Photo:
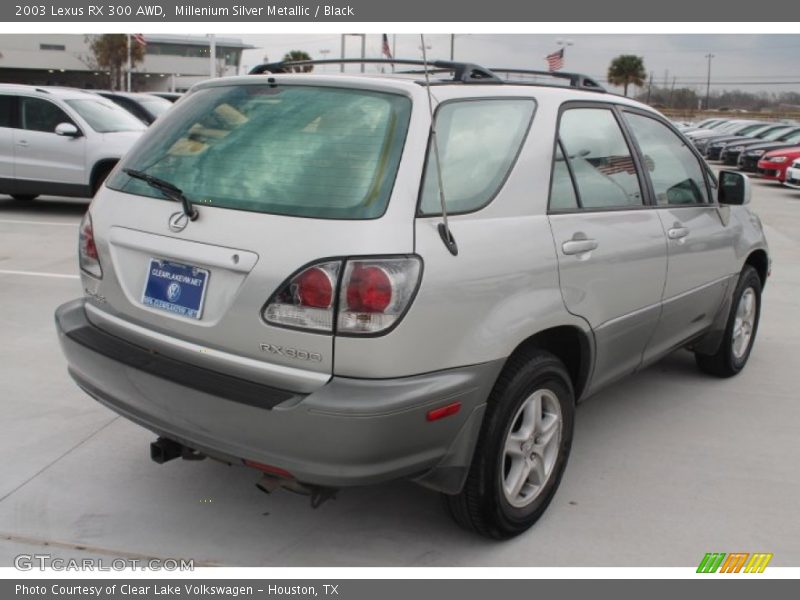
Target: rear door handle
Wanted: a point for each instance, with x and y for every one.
(22, 142)
(677, 233)
(578, 246)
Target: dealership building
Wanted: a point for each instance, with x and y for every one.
(171, 62)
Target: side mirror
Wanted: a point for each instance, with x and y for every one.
(734, 188)
(67, 130)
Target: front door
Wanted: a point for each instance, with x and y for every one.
(700, 244)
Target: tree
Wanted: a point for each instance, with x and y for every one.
(295, 55)
(627, 69)
(110, 52)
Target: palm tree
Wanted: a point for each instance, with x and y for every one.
(296, 55)
(627, 69)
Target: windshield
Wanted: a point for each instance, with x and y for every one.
(104, 116)
(777, 133)
(155, 106)
(290, 150)
(791, 136)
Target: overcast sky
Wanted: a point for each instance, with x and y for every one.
(748, 62)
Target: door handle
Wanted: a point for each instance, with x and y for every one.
(578, 246)
(677, 233)
(22, 142)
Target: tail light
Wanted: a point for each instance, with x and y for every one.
(370, 296)
(306, 300)
(88, 258)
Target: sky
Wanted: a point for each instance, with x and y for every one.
(748, 62)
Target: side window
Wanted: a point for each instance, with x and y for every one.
(6, 111)
(478, 143)
(601, 162)
(674, 170)
(562, 192)
(41, 115)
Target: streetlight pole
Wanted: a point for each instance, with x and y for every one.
(452, 46)
(708, 79)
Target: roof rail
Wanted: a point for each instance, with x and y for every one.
(576, 80)
(462, 71)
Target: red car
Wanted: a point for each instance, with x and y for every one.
(773, 164)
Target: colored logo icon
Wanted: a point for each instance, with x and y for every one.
(736, 562)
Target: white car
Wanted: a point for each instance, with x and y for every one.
(793, 175)
(59, 141)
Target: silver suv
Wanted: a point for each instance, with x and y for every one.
(270, 278)
(59, 141)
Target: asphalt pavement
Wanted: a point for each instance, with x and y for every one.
(666, 465)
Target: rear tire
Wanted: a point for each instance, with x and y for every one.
(522, 450)
(24, 197)
(740, 331)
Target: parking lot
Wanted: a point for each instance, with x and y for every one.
(666, 466)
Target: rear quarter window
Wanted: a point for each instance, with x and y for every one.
(291, 150)
(479, 141)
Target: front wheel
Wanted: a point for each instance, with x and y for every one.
(740, 331)
(522, 450)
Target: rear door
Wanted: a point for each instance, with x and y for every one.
(41, 154)
(611, 248)
(700, 244)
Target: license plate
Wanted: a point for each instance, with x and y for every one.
(176, 288)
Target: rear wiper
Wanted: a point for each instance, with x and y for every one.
(165, 187)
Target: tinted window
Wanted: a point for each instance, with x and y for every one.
(41, 115)
(291, 150)
(562, 192)
(600, 159)
(478, 143)
(6, 111)
(674, 170)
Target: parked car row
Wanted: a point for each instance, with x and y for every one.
(63, 141)
(767, 149)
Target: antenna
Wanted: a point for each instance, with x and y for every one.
(444, 228)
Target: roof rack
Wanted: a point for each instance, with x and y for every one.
(463, 72)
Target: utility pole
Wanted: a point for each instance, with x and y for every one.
(649, 88)
(672, 91)
(130, 63)
(452, 46)
(708, 79)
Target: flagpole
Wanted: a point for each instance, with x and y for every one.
(130, 62)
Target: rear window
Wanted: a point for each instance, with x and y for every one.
(290, 150)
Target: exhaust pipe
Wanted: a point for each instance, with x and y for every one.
(319, 494)
(165, 449)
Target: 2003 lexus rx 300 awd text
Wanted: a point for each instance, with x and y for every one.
(271, 280)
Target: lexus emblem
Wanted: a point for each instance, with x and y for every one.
(178, 221)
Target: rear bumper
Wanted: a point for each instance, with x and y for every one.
(348, 432)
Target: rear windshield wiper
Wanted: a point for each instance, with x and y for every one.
(165, 187)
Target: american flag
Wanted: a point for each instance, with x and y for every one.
(385, 50)
(139, 39)
(613, 165)
(555, 60)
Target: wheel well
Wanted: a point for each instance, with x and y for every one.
(570, 345)
(759, 261)
(101, 167)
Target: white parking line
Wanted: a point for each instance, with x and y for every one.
(53, 223)
(39, 274)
